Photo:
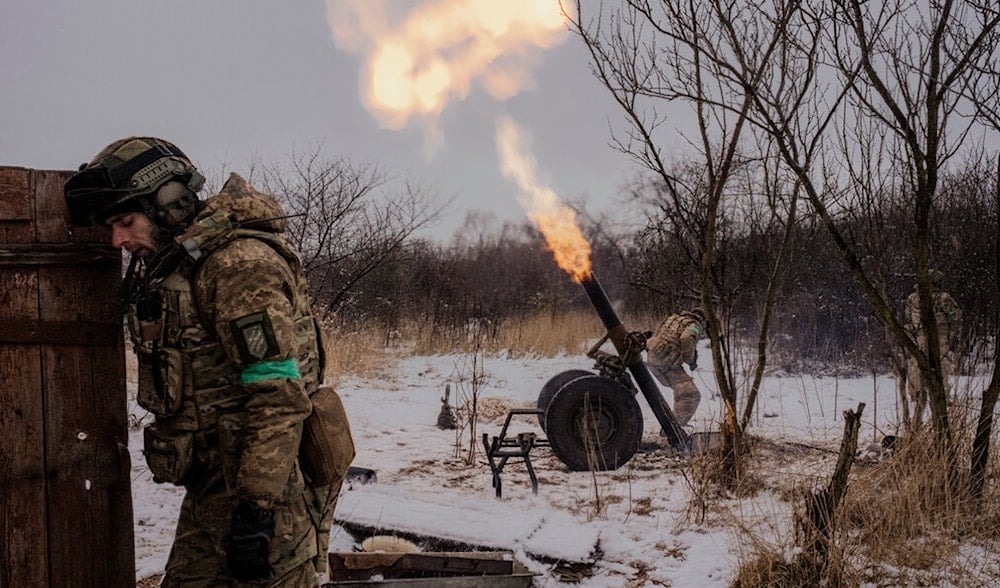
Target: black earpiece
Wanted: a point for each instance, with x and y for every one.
(175, 205)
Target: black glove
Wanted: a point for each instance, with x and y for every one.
(693, 365)
(249, 542)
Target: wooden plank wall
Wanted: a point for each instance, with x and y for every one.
(66, 508)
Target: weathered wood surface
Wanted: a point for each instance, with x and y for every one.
(66, 512)
(494, 569)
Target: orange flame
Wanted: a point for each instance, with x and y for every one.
(436, 53)
(555, 220)
(440, 48)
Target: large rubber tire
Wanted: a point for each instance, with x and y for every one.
(552, 386)
(594, 423)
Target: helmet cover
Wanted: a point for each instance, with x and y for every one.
(121, 174)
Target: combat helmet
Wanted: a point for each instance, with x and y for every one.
(697, 313)
(136, 174)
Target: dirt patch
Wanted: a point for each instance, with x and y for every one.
(495, 410)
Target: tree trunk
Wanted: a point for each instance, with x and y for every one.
(984, 428)
(818, 521)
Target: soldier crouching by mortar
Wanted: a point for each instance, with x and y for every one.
(230, 365)
(673, 344)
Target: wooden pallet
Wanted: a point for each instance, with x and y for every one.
(482, 569)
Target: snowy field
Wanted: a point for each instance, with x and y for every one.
(636, 526)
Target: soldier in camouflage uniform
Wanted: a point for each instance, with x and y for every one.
(673, 344)
(229, 355)
(947, 314)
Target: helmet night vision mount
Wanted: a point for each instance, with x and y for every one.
(126, 177)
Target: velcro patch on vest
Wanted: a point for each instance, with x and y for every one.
(254, 337)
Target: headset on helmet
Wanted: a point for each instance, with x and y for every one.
(137, 174)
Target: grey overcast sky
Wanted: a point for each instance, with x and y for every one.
(228, 80)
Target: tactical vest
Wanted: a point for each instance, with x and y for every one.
(945, 313)
(666, 341)
(185, 377)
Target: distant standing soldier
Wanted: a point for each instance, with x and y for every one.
(947, 314)
(230, 365)
(674, 344)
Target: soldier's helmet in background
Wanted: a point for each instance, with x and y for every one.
(697, 313)
(936, 276)
(136, 174)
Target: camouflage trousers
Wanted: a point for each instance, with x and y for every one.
(686, 394)
(916, 389)
(297, 551)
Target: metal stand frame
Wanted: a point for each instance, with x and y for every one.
(502, 448)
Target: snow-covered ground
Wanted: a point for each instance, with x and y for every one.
(635, 526)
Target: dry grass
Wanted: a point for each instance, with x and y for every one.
(360, 352)
(902, 523)
(149, 581)
(913, 521)
(542, 334)
(768, 568)
(904, 508)
(369, 351)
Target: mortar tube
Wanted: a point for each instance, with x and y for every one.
(676, 435)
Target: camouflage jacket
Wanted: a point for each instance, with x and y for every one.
(227, 344)
(946, 313)
(675, 341)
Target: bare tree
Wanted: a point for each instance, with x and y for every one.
(827, 80)
(984, 424)
(702, 55)
(346, 220)
(914, 67)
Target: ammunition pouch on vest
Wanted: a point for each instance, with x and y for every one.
(165, 380)
(327, 448)
(169, 454)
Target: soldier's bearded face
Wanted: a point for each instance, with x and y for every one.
(135, 233)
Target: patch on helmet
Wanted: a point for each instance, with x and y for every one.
(254, 337)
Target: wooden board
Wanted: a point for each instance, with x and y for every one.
(492, 569)
(23, 536)
(66, 512)
(512, 581)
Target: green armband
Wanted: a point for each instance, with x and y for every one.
(271, 370)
